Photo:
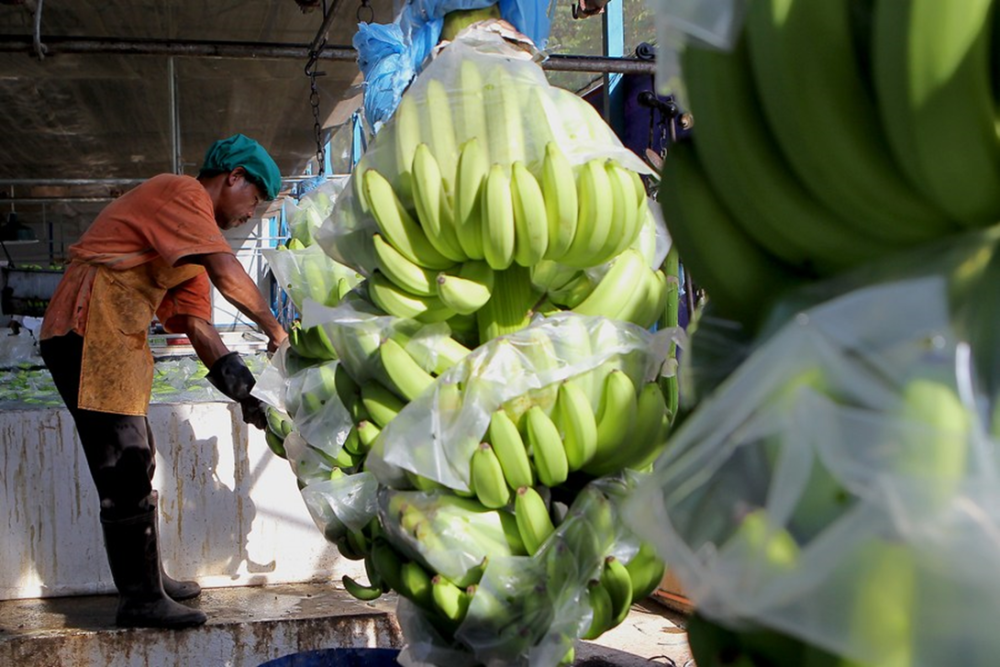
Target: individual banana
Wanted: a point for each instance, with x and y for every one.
(435, 354)
(381, 404)
(470, 113)
(646, 571)
(533, 521)
(510, 306)
(546, 447)
(396, 302)
(627, 220)
(938, 426)
(406, 134)
(360, 591)
(933, 60)
(740, 278)
(396, 225)
(594, 218)
(574, 292)
(408, 380)
(387, 562)
(752, 177)
(508, 445)
(469, 179)
(531, 239)
(498, 218)
(486, 476)
(433, 206)
(406, 275)
(468, 290)
(559, 187)
(577, 424)
(415, 584)
(806, 69)
(608, 297)
(616, 579)
(616, 414)
(437, 118)
(449, 600)
(645, 438)
(602, 610)
(504, 124)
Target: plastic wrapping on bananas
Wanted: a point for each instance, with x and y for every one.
(437, 433)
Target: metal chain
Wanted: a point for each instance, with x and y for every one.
(366, 9)
(311, 72)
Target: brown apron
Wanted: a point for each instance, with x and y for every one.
(116, 373)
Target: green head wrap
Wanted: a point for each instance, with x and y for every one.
(242, 151)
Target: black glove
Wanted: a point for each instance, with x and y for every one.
(254, 412)
(232, 377)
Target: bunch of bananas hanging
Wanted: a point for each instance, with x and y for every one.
(504, 233)
(473, 191)
(832, 134)
(435, 548)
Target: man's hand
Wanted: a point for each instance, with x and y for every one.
(254, 412)
(275, 341)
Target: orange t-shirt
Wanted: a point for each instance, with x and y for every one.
(163, 220)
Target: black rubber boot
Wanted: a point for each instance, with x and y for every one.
(179, 590)
(134, 557)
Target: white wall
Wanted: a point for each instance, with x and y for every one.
(231, 513)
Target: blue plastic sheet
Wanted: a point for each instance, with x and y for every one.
(391, 55)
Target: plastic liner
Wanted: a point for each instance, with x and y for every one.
(549, 114)
(435, 434)
(841, 484)
(530, 610)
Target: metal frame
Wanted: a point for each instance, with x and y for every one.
(277, 51)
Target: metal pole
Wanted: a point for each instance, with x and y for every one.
(275, 51)
(175, 149)
(69, 181)
(320, 37)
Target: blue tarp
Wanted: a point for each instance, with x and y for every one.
(391, 55)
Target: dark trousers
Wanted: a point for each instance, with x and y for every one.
(119, 448)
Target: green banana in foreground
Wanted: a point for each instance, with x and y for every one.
(533, 521)
(737, 274)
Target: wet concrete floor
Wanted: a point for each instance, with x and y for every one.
(250, 625)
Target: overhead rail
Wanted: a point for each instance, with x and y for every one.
(277, 51)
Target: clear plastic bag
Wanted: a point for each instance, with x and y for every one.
(434, 436)
(308, 273)
(529, 610)
(841, 484)
(544, 113)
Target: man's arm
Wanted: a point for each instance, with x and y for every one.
(204, 337)
(229, 277)
(227, 372)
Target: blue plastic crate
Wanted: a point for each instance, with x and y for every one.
(338, 657)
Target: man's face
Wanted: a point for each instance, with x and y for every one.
(238, 201)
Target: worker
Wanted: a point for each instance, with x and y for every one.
(153, 251)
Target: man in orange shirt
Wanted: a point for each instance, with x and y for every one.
(154, 251)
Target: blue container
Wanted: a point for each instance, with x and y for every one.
(338, 657)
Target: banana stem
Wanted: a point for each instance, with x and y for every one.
(455, 22)
(509, 308)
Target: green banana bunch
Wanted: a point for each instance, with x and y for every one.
(807, 72)
(745, 166)
(933, 60)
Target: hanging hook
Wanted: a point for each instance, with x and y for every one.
(40, 49)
